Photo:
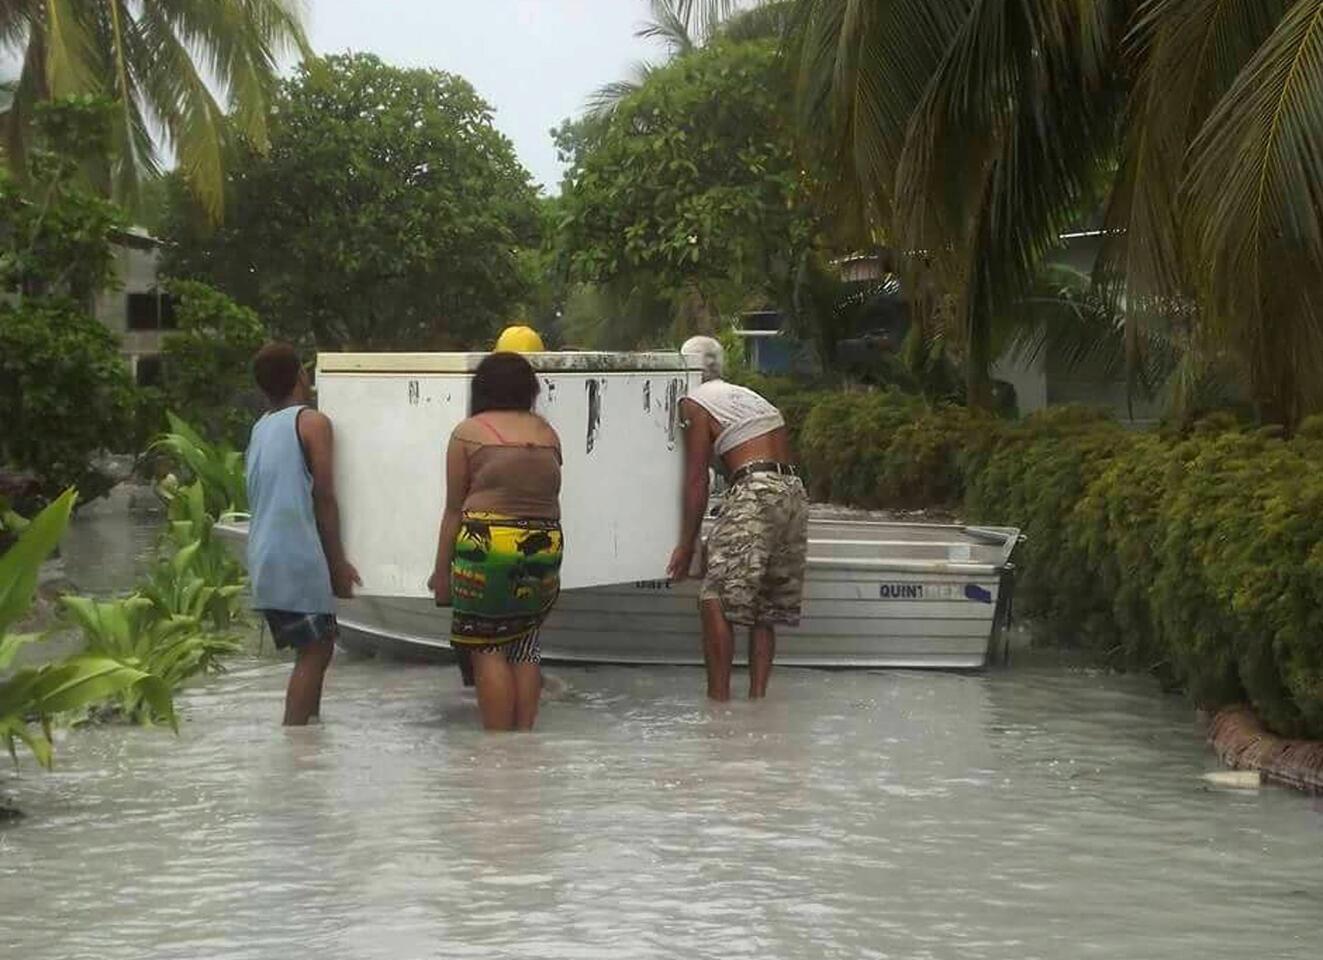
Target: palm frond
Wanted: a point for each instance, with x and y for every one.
(70, 48)
(29, 89)
(1005, 150)
(1183, 55)
(702, 18)
(1255, 207)
(863, 68)
(669, 26)
(604, 101)
(159, 60)
(194, 122)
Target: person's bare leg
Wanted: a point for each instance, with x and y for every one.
(528, 693)
(494, 678)
(718, 649)
(762, 650)
(304, 693)
(465, 660)
(328, 656)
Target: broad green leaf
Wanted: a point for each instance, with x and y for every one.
(84, 680)
(21, 563)
(185, 557)
(16, 694)
(11, 644)
(12, 729)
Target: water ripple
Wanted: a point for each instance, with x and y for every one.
(874, 815)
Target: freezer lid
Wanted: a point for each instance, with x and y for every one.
(562, 362)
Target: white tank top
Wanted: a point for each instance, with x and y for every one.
(740, 413)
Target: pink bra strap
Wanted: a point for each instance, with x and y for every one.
(494, 432)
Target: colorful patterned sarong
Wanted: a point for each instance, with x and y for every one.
(504, 579)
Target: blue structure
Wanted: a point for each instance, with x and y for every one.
(769, 350)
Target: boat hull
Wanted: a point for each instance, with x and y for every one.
(876, 595)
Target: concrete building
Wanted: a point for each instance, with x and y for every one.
(135, 308)
(1040, 381)
(1048, 380)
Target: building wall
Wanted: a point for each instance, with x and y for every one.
(1028, 378)
(136, 269)
(1046, 381)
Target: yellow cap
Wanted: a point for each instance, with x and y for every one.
(519, 340)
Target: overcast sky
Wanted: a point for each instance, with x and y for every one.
(534, 61)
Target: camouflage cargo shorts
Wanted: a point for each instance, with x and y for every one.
(757, 551)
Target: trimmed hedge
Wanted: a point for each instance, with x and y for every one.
(1197, 556)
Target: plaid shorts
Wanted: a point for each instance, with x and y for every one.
(297, 630)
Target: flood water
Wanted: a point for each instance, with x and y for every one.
(1021, 813)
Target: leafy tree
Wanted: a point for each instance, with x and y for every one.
(387, 212)
(190, 69)
(65, 393)
(64, 390)
(206, 361)
(976, 130)
(690, 194)
(54, 229)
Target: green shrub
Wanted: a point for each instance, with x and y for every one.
(1197, 555)
(206, 364)
(1030, 476)
(65, 394)
(131, 631)
(217, 468)
(31, 698)
(882, 449)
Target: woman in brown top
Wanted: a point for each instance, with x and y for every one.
(499, 551)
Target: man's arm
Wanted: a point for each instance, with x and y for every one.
(318, 443)
(697, 453)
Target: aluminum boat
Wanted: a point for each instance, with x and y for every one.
(877, 594)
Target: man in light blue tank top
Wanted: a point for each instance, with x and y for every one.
(296, 562)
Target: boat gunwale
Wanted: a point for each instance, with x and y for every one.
(920, 662)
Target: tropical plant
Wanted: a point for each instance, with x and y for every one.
(180, 73)
(32, 697)
(39, 694)
(973, 131)
(129, 631)
(198, 577)
(218, 469)
(387, 213)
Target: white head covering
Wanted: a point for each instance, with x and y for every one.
(709, 354)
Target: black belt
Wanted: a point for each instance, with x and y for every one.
(764, 466)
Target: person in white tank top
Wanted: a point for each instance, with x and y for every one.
(757, 549)
(741, 413)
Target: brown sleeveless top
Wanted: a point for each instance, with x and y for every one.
(515, 479)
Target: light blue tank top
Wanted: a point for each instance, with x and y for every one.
(286, 564)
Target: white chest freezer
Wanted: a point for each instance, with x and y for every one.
(619, 423)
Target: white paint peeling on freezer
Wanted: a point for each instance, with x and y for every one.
(393, 416)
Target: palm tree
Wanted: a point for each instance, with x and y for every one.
(683, 26)
(973, 131)
(180, 73)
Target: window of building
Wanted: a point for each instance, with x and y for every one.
(147, 370)
(152, 310)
